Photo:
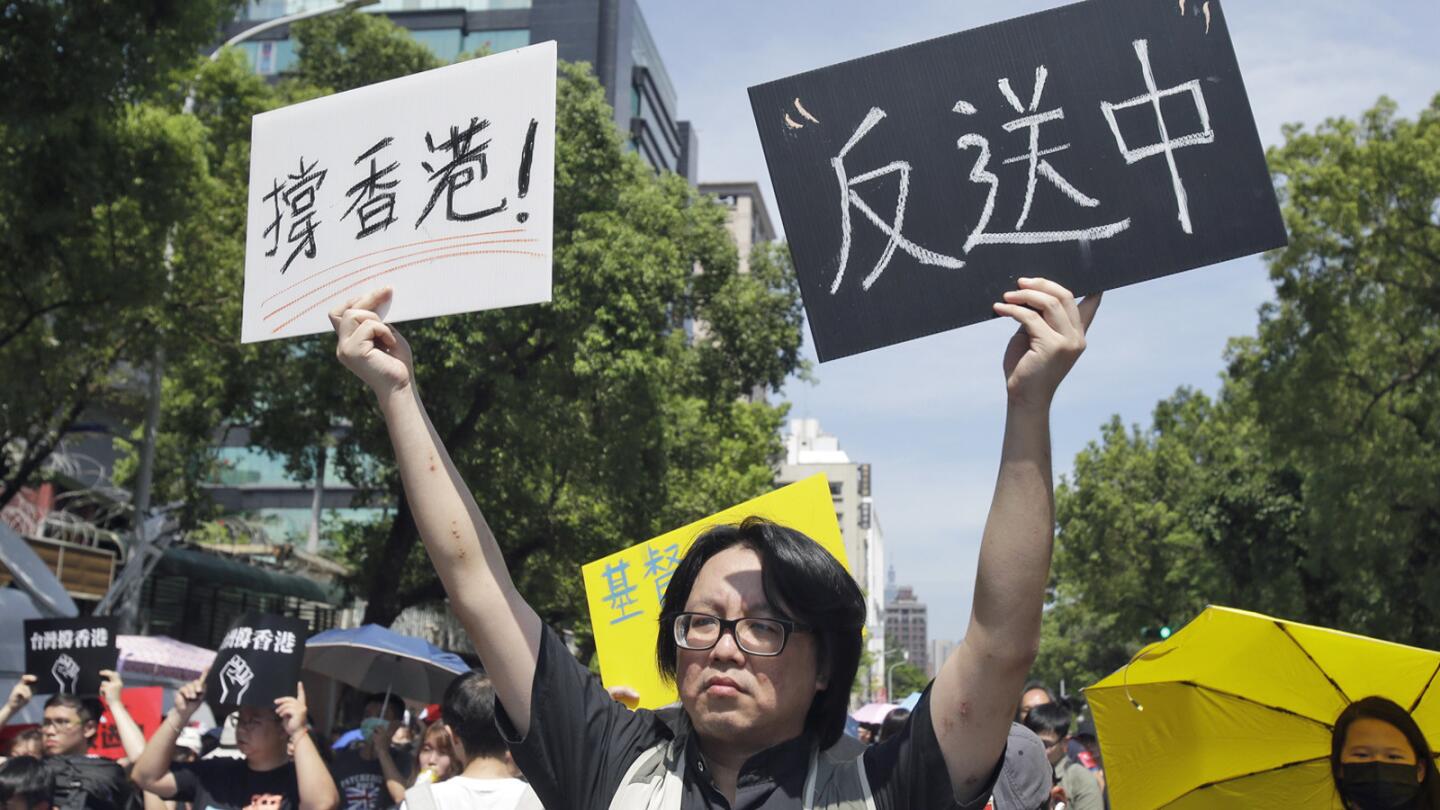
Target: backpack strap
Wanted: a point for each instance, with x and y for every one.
(656, 779)
(837, 779)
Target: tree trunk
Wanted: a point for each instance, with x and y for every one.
(382, 592)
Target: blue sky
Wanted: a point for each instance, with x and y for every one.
(928, 414)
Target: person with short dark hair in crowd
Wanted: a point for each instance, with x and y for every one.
(363, 769)
(1034, 694)
(26, 784)
(489, 779)
(69, 726)
(265, 779)
(81, 781)
(1051, 723)
(760, 628)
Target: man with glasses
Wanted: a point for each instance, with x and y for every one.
(760, 627)
(81, 781)
(1051, 723)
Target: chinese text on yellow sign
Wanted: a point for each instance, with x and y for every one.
(624, 589)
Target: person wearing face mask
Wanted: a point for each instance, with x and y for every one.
(1381, 760)
(760, 628)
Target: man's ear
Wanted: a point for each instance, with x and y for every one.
(91, 728)
(457, 746)
(823, 665)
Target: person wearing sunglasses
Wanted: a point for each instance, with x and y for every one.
(760, 627)
(1078, 786)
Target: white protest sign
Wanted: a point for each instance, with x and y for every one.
(439, 184)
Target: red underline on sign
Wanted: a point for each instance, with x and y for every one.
(387, 250)
(292, 302)
(297, 316)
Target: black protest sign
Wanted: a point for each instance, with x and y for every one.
(66, 655)
(1098, 144)
(258, 660)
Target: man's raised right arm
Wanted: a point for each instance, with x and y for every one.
(501, 625)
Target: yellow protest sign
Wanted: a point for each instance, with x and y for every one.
(624, 589)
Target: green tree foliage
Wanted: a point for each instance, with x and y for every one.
(905, 679)
(96, 167)
(1308, 488)
(344, 51)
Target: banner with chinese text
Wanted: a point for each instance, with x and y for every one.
(66, 655)
(1098, 144)
(439, 184)
(624, 589)
(259, 660)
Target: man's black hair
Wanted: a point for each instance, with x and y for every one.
(27, 778)
(1049, 717)
(1033, 685)
(468, 709)
(87, 708)
(803, 582)
(387, 703)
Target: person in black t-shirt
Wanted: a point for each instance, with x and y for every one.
(264, 780)
(760, 628)
(81, 781)
(362, 770)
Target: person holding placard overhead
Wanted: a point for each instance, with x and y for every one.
(81, 781)
(760, 627)
(266, 779)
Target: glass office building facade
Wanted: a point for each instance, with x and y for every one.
(611, 35)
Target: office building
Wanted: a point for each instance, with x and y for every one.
(905, 624)
(611, 35)
(808, 451)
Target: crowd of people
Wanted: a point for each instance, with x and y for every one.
(264, 759)
(759, 632)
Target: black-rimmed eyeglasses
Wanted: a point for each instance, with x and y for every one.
(765, 637)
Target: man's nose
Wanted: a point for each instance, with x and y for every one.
(727, 648)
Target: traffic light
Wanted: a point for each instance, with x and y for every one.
(1161, 633)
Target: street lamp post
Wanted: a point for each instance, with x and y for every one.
(129, 603)
(890, 675)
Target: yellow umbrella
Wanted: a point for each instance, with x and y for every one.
(1236, 710)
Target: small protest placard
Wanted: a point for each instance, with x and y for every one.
(1098, 144)
(624, 589)
(66, 655)
(146, 706)
(439, 184)
(259, 660)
